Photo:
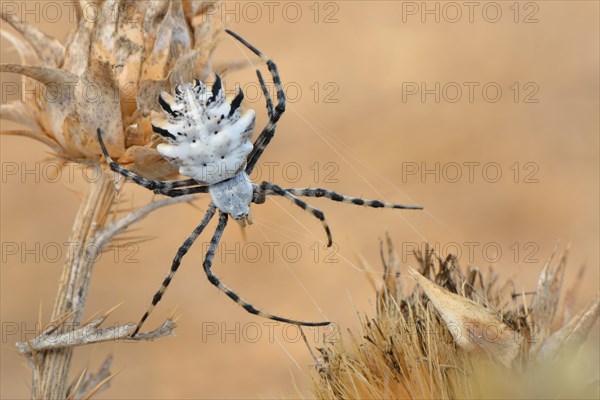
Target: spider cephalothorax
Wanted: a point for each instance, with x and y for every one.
(208, 138)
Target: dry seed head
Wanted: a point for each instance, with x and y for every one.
(108, 74)
(459, 335)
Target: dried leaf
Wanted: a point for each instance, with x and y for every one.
(49, 50)
(26, 52)
(545, 302)
(28, 56)
(182, 39)
(570, 336)
(155, 14)
(20, 113)
(45, 75)
(172, 42)
(206, 28)
(88, 381)
(78, 45)
(138, 134)
(129, 54)
(147, 95)
(187, 68)
(473, 327)
(148, 162)
(56, 101)
(571, 295)
(97, 106)
(36, 135)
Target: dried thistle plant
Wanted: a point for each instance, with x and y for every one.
(107, 74)
(462, 335)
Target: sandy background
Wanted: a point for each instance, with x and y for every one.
(364, 144)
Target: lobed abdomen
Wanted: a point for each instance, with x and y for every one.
(207, 136)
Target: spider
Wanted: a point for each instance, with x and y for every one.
(207, 137)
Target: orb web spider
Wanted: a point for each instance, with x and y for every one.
(208, 138)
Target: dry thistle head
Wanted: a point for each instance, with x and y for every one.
(108, 75)
(461, 335)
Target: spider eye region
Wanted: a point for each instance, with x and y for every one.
(233, 196)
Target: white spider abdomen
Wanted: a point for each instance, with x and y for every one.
(208, 137)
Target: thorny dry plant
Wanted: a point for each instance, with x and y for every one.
(107, 73)
(461, 334)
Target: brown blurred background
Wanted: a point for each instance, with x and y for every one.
(351, 126)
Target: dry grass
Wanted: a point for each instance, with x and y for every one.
(461, 335)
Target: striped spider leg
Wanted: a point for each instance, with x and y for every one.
(207, 264)
(168, 188)
(331, 195)
(183, 249)
(274, 113)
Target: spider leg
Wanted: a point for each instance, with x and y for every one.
(271, 188)
(162, 187)
(274, 114)
(266, 94)
(232, 295)
(310, 192)
(175, 265)
(182, 192)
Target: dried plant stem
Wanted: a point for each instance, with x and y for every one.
(92, 333)
(73, 287)
(50, 352)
